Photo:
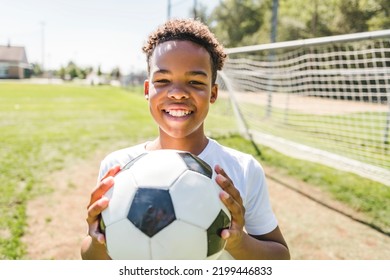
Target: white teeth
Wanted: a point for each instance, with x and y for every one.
(178, 113)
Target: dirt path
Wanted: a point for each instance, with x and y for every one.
(57, 220)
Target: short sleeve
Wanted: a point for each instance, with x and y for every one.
(259, 216)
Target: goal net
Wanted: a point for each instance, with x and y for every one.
(323, 99)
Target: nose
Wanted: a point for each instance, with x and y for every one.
(178, 92)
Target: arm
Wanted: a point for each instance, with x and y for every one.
(240, 244)
(93, 245)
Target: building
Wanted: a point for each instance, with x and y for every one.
(14, 63)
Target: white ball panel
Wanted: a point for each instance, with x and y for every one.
(215, 256)
(127, 242)
(179, 241)
(163, 174)
(195, 199)
(120, 195)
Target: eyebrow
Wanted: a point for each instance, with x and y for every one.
(197, 73)
(189, 73)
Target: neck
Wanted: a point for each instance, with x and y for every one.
(189, 144)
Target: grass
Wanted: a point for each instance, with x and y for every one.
(44, 128)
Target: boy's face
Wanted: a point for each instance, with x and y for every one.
(180, 88)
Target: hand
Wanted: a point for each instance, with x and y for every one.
(231, 197)
(98, 203)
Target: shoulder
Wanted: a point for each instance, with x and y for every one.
(120, 157)
(126, 154)
(243, 169)
(231, 156)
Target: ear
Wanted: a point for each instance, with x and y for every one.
(146, 89)
(214, 93)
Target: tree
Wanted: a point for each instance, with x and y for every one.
(248, 22)
(62, 72)
(381, 19)
(99, 71)
(36, 69)
(302, 19)
(116, 73)
(352, 17)
(200, 13)
(71, 69)
(236, 21)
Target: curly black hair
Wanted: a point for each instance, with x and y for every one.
(187, 30)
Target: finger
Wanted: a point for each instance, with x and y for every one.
(95, 233)
(226, 184)
(112, 171)
(225, 234)
(93, 219)
(100, 237)
(236, 210)
(105, 184)
(101, 189)
(96, 209)
(233, 237)
(219, 170)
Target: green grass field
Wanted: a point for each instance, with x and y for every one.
(45, 128)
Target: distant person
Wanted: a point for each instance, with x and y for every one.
(183, 58)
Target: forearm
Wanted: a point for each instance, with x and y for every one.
(255, 249)
(93, 250)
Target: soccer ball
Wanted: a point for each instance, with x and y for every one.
(165, 205)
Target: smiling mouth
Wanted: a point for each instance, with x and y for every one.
(178, 113)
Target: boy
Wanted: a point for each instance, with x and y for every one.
(183, 58)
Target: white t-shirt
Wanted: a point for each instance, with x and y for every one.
(245, 172)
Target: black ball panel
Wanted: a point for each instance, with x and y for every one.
(151, 210)
(196, 164)
(131, 162)
(215, 242)
(102, 225)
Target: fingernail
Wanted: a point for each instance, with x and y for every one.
(103, 201)
(224, 195)
(100, 239)
(225, 234)
(221, 178)
(109, 181)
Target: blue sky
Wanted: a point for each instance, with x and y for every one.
(89, 32)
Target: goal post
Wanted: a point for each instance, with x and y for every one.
(322, 99)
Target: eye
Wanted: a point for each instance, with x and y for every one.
(161, 81)
(196, 83)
